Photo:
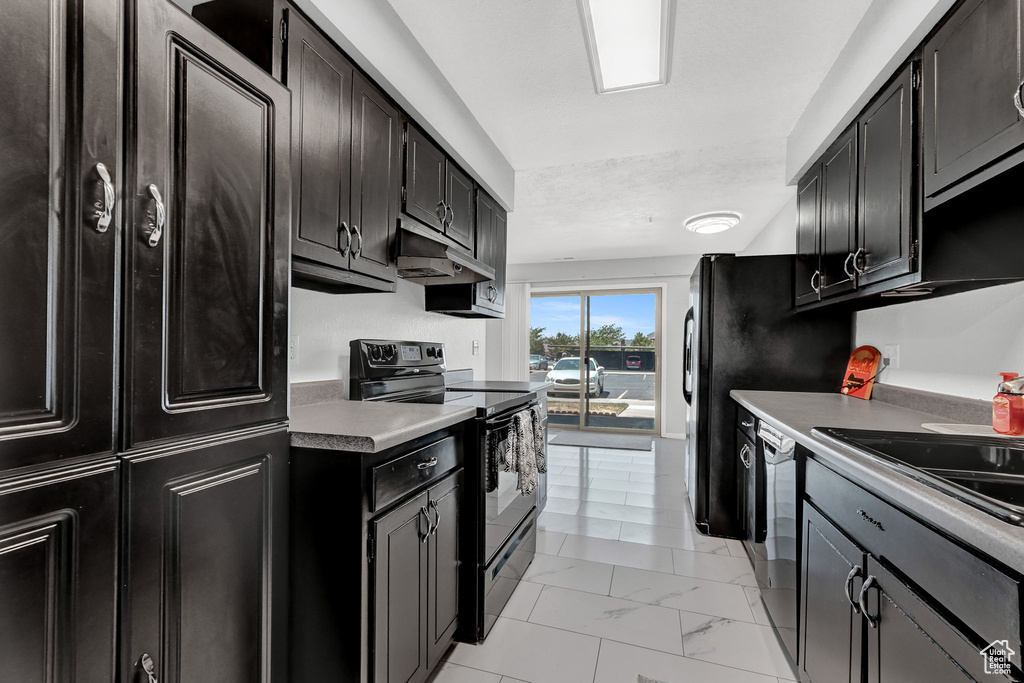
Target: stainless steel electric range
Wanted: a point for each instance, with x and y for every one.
(499, 536)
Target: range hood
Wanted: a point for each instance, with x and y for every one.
(428, 258)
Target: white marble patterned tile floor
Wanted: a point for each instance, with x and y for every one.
(623, 585)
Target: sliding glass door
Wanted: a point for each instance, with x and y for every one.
(601, 351)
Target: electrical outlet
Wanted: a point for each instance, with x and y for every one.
(476, 347)
(892, 352)
(293, 348)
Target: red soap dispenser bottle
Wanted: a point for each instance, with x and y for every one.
(1008, 405)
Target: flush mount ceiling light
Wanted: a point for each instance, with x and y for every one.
(629, 42)
(712, 222)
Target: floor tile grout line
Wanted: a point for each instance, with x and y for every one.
(597, 663)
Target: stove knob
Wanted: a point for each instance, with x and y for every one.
(375, 353)
(430, 352)
(389, 352)
(440, 352)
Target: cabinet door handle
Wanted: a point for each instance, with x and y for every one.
(426, 464)
(359, 243)
(148, 667)
(854, 573)
(860, 261)
(348, 239)
(747, 423)
(492, 293)
(862, 599)
(437, 522)
(426, 515)
(745, 455)
(1016, 99)
(442, 211)
(105, 208)
(449, 221)
(846, 266)
(816, 277)
(156, 226)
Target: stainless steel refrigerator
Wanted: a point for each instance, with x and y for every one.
(742, 332)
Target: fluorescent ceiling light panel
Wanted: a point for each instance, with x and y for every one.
(628, 41)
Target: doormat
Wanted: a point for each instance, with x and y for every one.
(631, 442)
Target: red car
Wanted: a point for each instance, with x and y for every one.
(633, 362)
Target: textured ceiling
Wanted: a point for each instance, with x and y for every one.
(613, 176)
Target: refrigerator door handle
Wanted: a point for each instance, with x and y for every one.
(688, 358)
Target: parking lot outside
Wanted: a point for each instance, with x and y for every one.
(633, 387)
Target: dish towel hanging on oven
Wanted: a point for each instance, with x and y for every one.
(525, 454)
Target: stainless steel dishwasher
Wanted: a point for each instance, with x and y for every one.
(776, 557)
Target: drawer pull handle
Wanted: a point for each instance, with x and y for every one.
(1017, 101)
(426, 515)
(437, 522)
(870, 520)
(426, 464)
(854, 573)
(747, 423)
(863, 600)
(745, 455)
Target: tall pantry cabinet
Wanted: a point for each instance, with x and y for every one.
(143, 316)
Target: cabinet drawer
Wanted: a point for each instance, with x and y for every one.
(984, 598)
(745, 422)
(395, 479)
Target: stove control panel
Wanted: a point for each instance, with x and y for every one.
(374, 358)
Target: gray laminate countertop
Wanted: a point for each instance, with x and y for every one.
(797, 413)
(369, 427)
(500, 385)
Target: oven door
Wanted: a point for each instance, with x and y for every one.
(505, 507)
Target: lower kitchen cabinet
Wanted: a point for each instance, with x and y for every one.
(204, 572)
(58, 569)
(830, 623)
(415, 583)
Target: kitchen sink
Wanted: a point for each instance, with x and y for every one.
(985, 472)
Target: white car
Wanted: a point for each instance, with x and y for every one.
(566, 377)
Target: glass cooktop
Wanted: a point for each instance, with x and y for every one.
(985, 472)
(487, 403)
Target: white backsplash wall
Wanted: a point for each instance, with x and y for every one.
(326, 323)
(954, 344)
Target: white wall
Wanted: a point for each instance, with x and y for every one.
(326, 323)
(674, 272)
(779, 236)
(376, 38)
(954, 344)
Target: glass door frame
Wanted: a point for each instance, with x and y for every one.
(658, 290)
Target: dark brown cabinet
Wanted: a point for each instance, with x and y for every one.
(480, 299)
(205, 533)
(808, 218)
(415, 583)
(346, 167)
(58, 568)
(886, 208)
(207, 244)
(437, 193)
(972, 74)
(831, 628)
(838, 233)
(59, 214)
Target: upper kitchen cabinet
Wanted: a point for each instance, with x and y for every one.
(346, 167)
(808, 228)
(886, 207)
(437, 193)
(479, 299)
(207, 241)
(58, 220)
(256, 28)
(972, 82)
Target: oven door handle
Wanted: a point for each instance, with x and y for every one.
(502, 420)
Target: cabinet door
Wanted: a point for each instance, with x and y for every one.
(321, 83)
(206, 320)
(831, 628)
(972, 70)
(486, 246)
(58, 122)
(205, 533)
(400, 593)
(500, 233)
(746, 512)
(909, 642)
(808, 228)
(885, 224)
(443, 567)
(425, 168)
(461, 225)
(376, 180)
(58, 574)
(839, 214)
